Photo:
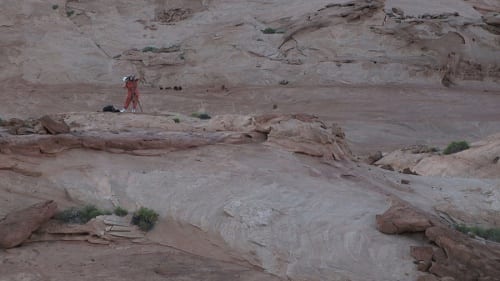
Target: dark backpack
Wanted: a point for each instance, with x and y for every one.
(110, 108)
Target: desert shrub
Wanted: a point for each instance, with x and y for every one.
(150, 49)
(492, 234)
(145, 218)
(455, 147)
(202, 116)
(270, 30)
(80, 215)
(70, 13)
(121, 212)
(55, 7)
(177, 120)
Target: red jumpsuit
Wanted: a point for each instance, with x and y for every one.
(132, 95)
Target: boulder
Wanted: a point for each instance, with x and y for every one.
(492, 19)
(423, 257)
(466, 258)
(374, 157)
(456, 257)
(305, 134)
(229, 122)
(18, 226)
(54, 127)
(408, 171)
(402, 218)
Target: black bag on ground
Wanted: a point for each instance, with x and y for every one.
(110, 108)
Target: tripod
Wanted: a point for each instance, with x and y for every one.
(135, 98)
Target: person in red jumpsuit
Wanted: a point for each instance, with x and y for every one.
(132, 93)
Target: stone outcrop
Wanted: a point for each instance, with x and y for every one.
(401, 218)
(306, 134)
(479, 161)
(54, 127)
(464, 258)
(300, 133)
(18, 226)
(456, 257)
(492, 19)
(119, 143)
(29, 126)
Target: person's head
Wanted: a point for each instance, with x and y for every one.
(129, 78)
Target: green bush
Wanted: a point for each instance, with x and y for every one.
(492, 234)
(145, 218)
(270, 30)
(202, 116)
(455, 147)
(121, 212)
(177, 120)
(55, 7)
(150, 49)
(80, 215)
(70, 13)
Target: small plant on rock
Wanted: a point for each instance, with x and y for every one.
(270, 30)
(150, 49)
(70, 13)
(177, 120)
(455, 147)
(55, 7)
(121, 212)
(202, 116)
(145, 218)
(492, 234)
(80, 215)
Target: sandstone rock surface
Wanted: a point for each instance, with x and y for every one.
(481, 160)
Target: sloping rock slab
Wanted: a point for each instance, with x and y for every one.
(18, 226)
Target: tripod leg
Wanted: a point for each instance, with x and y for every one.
(136, 99)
